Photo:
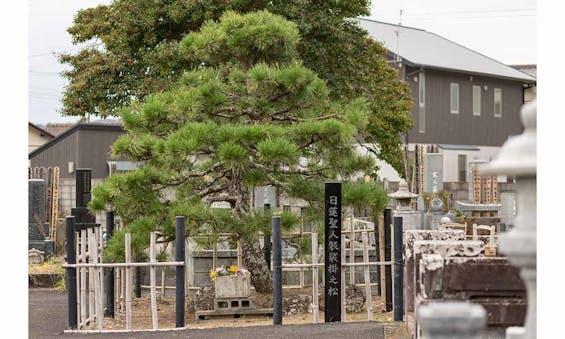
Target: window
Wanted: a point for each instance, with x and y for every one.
(454, 97)
(422, 103)
(497, 102)
(462, 167)
(477, 100)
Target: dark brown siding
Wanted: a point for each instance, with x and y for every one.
(86, 146)
(95, 149)
(444, 127)
(59, 154)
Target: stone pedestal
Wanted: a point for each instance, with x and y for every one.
(232, 286)
(451, 320)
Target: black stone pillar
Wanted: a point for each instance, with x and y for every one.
(332, 252)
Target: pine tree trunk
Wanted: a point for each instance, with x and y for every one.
(254, 262)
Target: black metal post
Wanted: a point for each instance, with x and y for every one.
(179, 256)
(388, 268)
(277, 271)
(71, 273)
(109, 275)
(398, 271)
(267, 240)
(378, 256)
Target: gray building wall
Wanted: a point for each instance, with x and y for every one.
(444, 127)
(87, 146)
(59, 154)
(95, 149)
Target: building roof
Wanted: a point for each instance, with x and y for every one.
(420, 48)
(531, 69)
(41, 130)
(76, 127)
(56, 128)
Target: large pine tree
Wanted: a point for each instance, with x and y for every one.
(251, 115)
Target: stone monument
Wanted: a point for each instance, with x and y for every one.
(38, 228)
(404, 198)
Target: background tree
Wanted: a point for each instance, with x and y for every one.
(136, 53)
(250, 115)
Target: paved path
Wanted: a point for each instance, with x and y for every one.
(48, 319)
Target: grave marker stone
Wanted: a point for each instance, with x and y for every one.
(332, 254)
(433, 172)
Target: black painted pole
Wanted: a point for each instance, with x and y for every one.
(179, 256)
(71, 272)
(277, 271)
(378, 256)
(267, 241)
(109, 276)
(398, 271)
(388, 268)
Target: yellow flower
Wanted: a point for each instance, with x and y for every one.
(233, 269)
(213, 274)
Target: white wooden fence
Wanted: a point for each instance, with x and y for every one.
(90, 279)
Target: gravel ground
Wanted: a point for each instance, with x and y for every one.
(48, 319)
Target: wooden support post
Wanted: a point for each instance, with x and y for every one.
(77, 253)
(315, 306)
(98, 308)
(163, 281)
(100, 272)
(367, 277)
(91, 285)
(301, 260)
(382, 255)
(153, 280)
(215, 255)
(128, 280)
(351, 250)
(343, 285)
(82, 277)
(239, 255)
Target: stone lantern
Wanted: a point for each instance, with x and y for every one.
(403, 208)
(518, 158)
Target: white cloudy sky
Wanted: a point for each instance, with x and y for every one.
(504, 30)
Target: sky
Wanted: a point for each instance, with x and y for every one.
(501, 29)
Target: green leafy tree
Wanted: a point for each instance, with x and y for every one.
(251, 115)
(135, 53)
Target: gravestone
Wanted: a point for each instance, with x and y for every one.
(82, 197)
(35, 257)
(264, 195)
(433, 172)
(38, 229)
(332, 253)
